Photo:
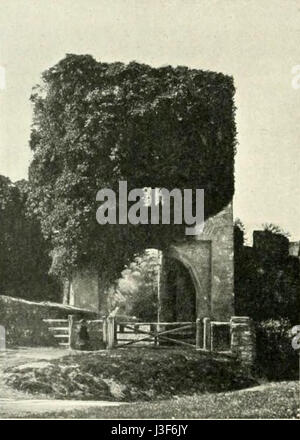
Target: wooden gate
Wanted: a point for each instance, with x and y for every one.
(203, 335)
(123, 334)
(60, 328)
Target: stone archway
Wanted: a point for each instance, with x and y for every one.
(178, 299)
(208, 258)
(209, 261)
(184, 256)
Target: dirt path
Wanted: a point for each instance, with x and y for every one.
(12, 408)
(22, 356)
(15, 403)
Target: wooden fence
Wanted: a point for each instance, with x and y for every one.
(204, 335)
(60, 328)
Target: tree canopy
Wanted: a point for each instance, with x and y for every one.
(98, 123)
(24, 254)
(136, 291)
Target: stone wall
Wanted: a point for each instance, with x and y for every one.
(243, 340)
(219, 231)
(267, 278)
(208, 258)
(84, 290)
(196, 257)
(294, 248)
(23, 320)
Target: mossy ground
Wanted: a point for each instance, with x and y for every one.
(134, 374)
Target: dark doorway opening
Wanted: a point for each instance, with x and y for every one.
(181, 293)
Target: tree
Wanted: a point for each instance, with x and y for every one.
(24, 254)
(275, 229)
(96, 124)
(136, 292)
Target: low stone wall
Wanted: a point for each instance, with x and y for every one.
(243, 340)
(23, 320)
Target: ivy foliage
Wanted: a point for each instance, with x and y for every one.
(98, 123)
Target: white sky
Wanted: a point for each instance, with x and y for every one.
(256, 41)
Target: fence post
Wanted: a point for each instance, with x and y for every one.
(212, 333)
(71, 329)
(206, 334)
(115, 332)
(2, 338)
(104, 330)
(110, 332)
(198, 333)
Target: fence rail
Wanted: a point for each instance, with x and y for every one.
(203, 334)
(126, 333)
(56, 327)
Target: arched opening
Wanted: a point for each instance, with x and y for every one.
(156, 288)
(136, 293)
(180, 293)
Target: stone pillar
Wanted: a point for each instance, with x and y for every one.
(243, 341)
(218, 232)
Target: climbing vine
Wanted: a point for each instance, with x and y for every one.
(98, 123)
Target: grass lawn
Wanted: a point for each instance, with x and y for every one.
(154, 383)
(274, 400)
(128, 375)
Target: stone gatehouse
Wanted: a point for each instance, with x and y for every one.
(206, 289)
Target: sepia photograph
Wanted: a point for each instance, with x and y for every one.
(149, 212)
